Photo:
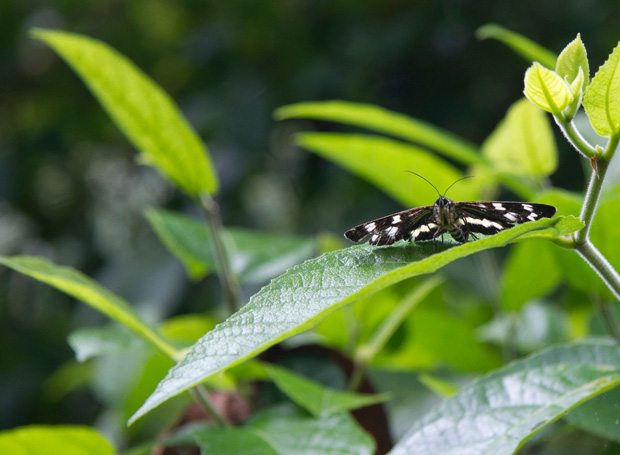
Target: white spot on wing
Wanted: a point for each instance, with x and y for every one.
(528, 207)
(374, 238)
(396, 219)
(499, 206)
(510, 216)
(370, 227)
(391, 231)
(532, 216)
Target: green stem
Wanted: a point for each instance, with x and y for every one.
(230, 287)
(573, 136)
(201, 395)
(601, 266)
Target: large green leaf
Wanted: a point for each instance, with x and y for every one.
(496, 414)
(523, 46)
(54, 440)
(381, 120)
(298, 299)
(141, 109)
(522, 143)
(383, 162)
(317, 399)
(602, 100)
(255, 257)
(81, 287)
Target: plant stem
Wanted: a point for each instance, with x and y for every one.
(575, 138)
(230, 287)
(601, 266)
(201, 396)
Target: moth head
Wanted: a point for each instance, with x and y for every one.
(443, 202)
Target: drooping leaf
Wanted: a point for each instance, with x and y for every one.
(525, 47)
(523, 143)
(572, 58)
(547, 90)
(497, 413)
(317, 399)
(255, 257)
(381, 120)
(602, 100)
(81, 287)
(141, 109)
(383, 162)
(54, 440)
(306, 293)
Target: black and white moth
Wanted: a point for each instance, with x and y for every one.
(459, 219)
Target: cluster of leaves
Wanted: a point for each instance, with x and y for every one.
(394, 316)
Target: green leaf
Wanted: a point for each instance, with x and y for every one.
(571, 59)
(232, 441)
(499, 412)
(547, 90)
(54, 440)
(306, 293)
(531, 271)
(83, 288)
(317, 399)
(381, 120)
(383, 163)
(523, 143)
(141, 109)
(90, 342)
(439, 386)
(599, 415)
(255, 256)
(523, 46)
(602, 100)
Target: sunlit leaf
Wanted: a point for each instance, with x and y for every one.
(141, 109)
(497, 413)
(383, 162)
(525, 47)
(546, 89)
(306, 293)
(54, 440)
(81, 287)
(572, 58)
(602, 100)
(523, 143)
(392, 123)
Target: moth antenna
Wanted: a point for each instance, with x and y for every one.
(462, 178)
(424, 178)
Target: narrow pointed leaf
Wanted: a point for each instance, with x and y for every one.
(602, 100)
(54, 440)
(383, 162)
(573, 58)
(496, 414)
(142, 110)
(525, 47)
(546, 89)
(81, 287)
(317, 399)
(381, 120)
(301, 297)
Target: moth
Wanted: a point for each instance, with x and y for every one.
(459, 219)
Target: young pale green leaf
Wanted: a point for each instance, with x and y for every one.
(523, 143)
(306, 293)
(54, 440)
(496, 414)
(317, 399)
(546, 89)
(571, 59)
(602, 100)
(526, 48)
(383, 163)
(255, 257)
(141, 109)
(530, 272)
(381, 120)
(81, 287)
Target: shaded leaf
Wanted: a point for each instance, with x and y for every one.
(600, 415)
(383, 163)
(497, 413)
(54, 440)
(255, 256)
(522, 143)
(602, 99)
(232, 441)
(90, 342)
(525, 47)
(317, 399)
(306, 293)
(141, 109)
(381, 120)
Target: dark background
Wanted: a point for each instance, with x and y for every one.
(71, 191)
